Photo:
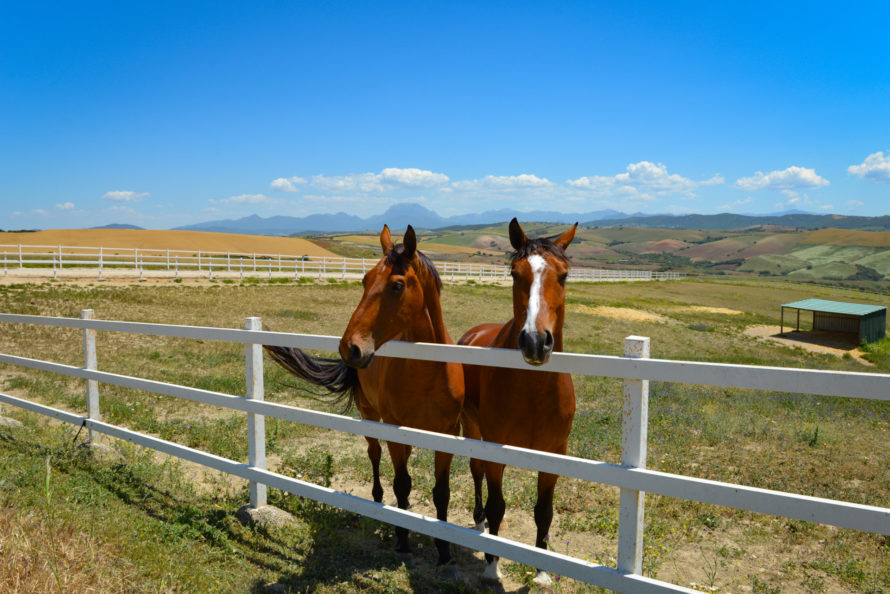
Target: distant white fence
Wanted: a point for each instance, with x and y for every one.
(166, 262)
(631, 476)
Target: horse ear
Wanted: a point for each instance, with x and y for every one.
(566, 238)
(517, 236)
(385, 240)
(410, 242)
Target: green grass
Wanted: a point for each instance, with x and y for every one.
(151, 513)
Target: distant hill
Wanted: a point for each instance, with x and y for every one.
(398, 216)
(119, 226)
(401, 215)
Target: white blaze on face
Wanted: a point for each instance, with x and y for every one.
(539, 265)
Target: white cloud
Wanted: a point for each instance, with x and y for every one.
(16, 213)
(855, 203)
(124, 196)
(802, 201)
(503, 182)
(390, 178)
(733, 205)
(876, 168)
(39, 211)
(287, 184)
(789, 180)
(65, 206)
(411, 177)
(642, 179)
(249, 199)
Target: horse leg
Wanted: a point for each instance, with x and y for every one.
(543, 518)
(441, 496)
(401, 486)
(494, 511)
(374, 451)
(477, 469)
(369, 413)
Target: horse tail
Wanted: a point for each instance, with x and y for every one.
(333, 375)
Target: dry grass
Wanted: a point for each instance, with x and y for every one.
(847, 237)
(41, 553)
(148, 239)
(827, 447)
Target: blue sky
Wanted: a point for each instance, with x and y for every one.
(164, 114)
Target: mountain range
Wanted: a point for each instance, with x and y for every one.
(397, 216)
(401, 215)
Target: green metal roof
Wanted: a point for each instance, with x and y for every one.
(838, 307)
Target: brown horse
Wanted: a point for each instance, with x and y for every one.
(400, 302)
(524, 408)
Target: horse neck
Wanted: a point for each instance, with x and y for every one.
(434, 310)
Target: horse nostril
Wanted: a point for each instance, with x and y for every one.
(548, 340)
(523, 340)
(355, 353)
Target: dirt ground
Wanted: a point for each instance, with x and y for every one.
(621, 313)
(817, 341)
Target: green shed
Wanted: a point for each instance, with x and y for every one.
(869, 322)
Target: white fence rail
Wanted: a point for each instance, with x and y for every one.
(631, 477)
(177, 262)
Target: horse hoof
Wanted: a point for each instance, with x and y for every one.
(542, 580)
(407, 559)
(492, 572)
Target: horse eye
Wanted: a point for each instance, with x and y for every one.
(514, 274)
(398, 287)
(563, 277)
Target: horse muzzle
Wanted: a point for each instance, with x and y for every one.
(535, 347)
(356, 356)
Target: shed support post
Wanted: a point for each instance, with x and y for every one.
(633, 455)
(256, 424)
(782, 322)
(90, 362)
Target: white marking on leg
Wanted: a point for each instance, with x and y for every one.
(538, 264)
(542, 579)
(480, 527)
(492, 572)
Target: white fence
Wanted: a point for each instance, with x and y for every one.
(177, 262)
(631, 477)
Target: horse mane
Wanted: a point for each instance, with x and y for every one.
(421, 264)
(537, 246)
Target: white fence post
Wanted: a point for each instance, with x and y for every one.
(21, 262)
(89, 362)
(100, 262)
(633, 455)
(256, 424)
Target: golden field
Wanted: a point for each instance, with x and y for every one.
(167, 240)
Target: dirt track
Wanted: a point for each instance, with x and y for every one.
(834, 343)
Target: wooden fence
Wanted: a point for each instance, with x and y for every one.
(632, 476)
(142, 262)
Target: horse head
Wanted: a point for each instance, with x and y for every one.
(396, 292)
(539, 269)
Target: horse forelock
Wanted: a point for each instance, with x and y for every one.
(422, 265)
(540, 245)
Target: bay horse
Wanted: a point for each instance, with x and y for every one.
(400, 302)
(525, 408)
